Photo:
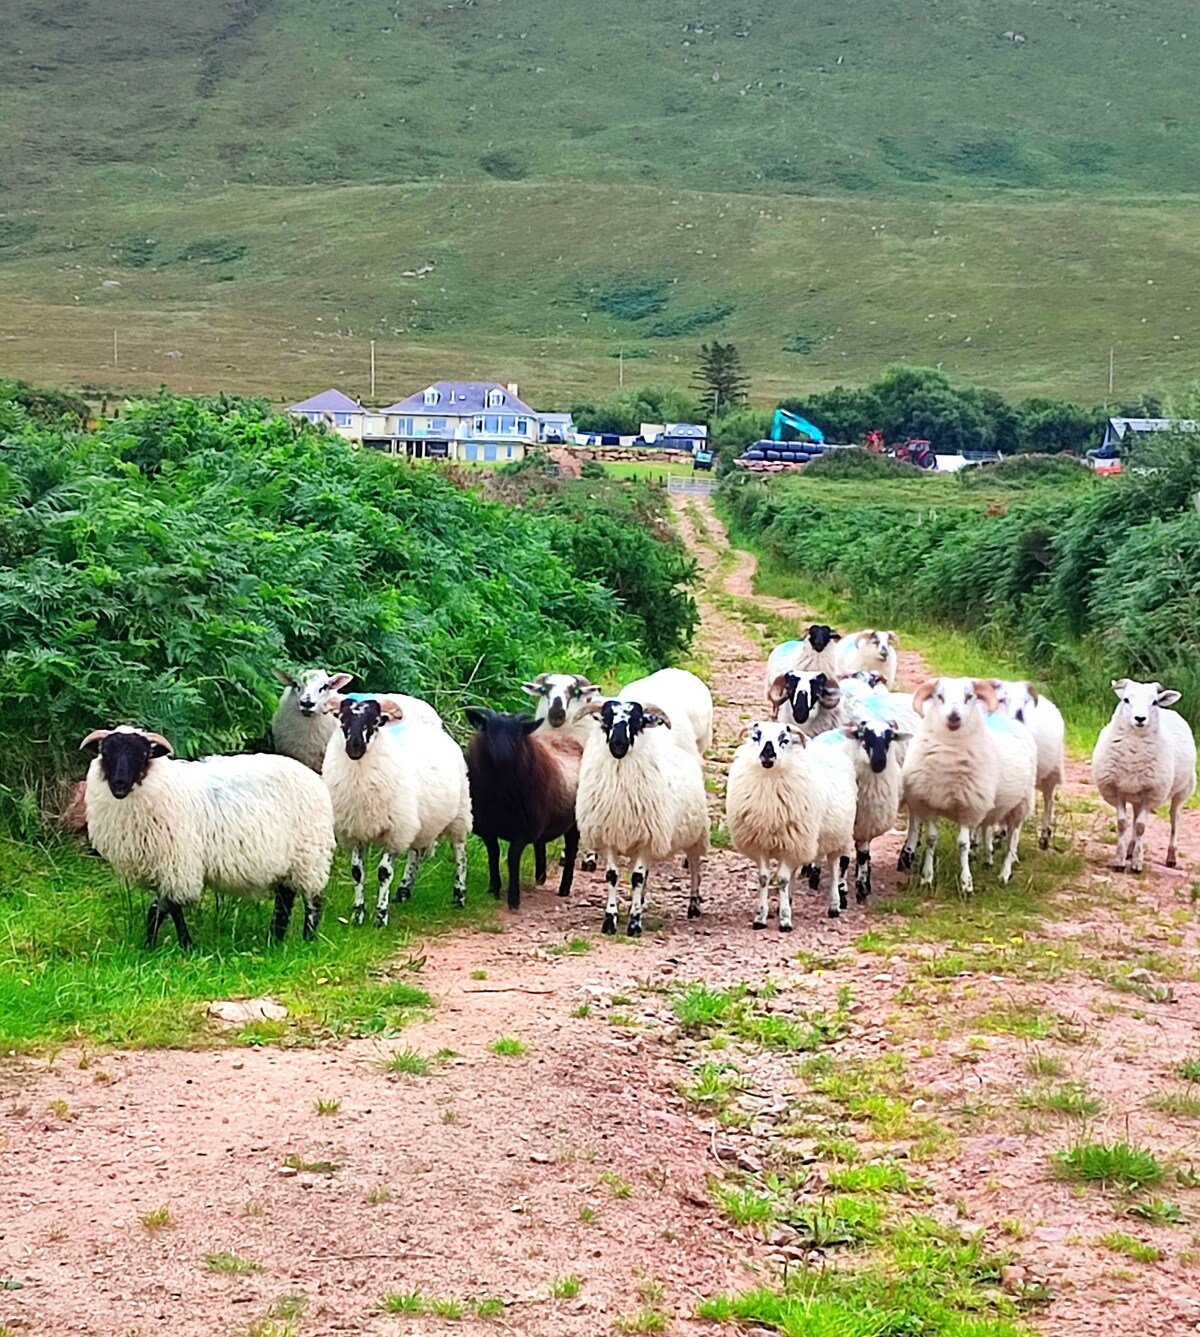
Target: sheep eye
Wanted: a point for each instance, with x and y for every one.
(576, 692)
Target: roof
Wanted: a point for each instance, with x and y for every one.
(458, 398)
(332, 401)
(1122, 425)
(687, 430)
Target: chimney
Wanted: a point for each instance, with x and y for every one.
(511, 387)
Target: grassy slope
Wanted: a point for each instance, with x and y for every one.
(905, 203)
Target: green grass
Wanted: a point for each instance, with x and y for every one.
(1133, 1248)
(573, 947)
(407, 1061)
(157, 1219)
(1066, 1098)
(1118, 1164)
(745, 1206)
(404, 1302)
(1044, 1065)
(508, 1046)
(618, 1187)
(1188, 1070)
(73, 967)
(565, 1288)
(644, 1320)
(231, 1263)
(325, 1106)
(1181, 1104)
(311, 1167)
(713, 1084)
(489, 1306)
(1157, 1212)
(881, 1178)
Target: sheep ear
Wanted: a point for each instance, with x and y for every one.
(592, 708)
(333, 704)
(335, 682)
(285, 677)
(1033, 692)
(392, 711)
(797, 735)
(1119, 685)
(1166, 698)
(587, 690)
(653, 716)
(96, 736)
(922, 694)
(535, 688)
(893, 639)
(900, 736)
(476, 717)
(835, 635)
(778, 692)
(159, 746)
(986, 691)
(849, 731)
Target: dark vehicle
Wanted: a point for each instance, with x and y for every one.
(702, 459)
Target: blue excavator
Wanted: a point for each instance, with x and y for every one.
(784, 419)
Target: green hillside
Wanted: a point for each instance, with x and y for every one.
(249, 189)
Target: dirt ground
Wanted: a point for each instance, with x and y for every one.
(495, 1176)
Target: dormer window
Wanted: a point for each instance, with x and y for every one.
(495, 399)
(432, 396)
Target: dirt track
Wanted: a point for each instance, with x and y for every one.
(489, 1161)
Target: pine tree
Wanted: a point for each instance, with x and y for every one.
(720, 379)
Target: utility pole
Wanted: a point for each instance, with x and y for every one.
(1110, 371)
(372, 370)
(114, 348)
(621, 368)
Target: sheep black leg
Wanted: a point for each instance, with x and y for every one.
(515, 850)
(285, 898)
(843, 867)
(312, 917)
(862, 875)
(539, 862)
(637, 885)
(181, 932)
(570, 853)
(154, 918)
(359, 914)
(493, 854)
(814, 876)
(611, 876)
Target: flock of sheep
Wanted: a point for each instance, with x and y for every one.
(831, 767)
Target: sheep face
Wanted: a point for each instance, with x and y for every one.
(875, 741)
(563, 694)
(1139, 701)
(623, 721)
(809, 691)
(361, 720)
(125, 756)
(882, 643)
(954, 700)
(311, 692)
(1016, 698)
(819, 636)
(773, 740)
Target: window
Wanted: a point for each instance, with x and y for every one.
(522, 426)
(342, 419)
(404, 427)
(432, 396)
(437, 426)
(508, 450)
(495, 399)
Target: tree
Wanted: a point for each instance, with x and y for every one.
(720, 379)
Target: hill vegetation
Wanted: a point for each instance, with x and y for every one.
(249, 193)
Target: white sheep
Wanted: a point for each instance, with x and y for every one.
(641, 796)
(877, 651)
(961, 768)
(878, 747)
(402, 785)
(561, 698)
(813, 702)
(816, 653)
(681, 695)
(252, 824)
(835, 839)
(1145, 756)
(776, 811)
(301, 726)
(1022, 701)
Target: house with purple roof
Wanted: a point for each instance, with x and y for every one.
(333, 409)
(459, 420)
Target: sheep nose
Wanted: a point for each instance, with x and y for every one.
(556, 715)
(954, 719)
(767, 755)
(1140, 721)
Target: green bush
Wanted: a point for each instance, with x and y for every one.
(156, 570)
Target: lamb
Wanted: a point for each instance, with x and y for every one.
(810, 701)
(786, 805)
(1145, 756)
(870, 649)
(561, 698)
(523, 782)
(684, 695)
(301, 726)
(641, 796)
(252, 824)
(1022, 701)
(960, 768)
(816, 653)
(404, 787)
(878, 753)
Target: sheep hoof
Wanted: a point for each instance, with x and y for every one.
(358, 915)
(588, 865)
(845, 900)
(610, 924)
(861, 895)
(494, 891)
(381, 918)
(1171, 861)
(760, 923)
(785, 928)
(904, 862)
(635, 928)
(1043, 842)
(460, 898)
(564, 891)
(834, 914)
(404, 894)
(693, 910)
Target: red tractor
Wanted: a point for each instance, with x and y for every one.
(917, 451)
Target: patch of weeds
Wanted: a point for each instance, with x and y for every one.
(489, 1306)
(1157, 1212)
(575, 947)
(622, 1019)
(1015, 1229)
(403, 1302)
(1133, 1248)
(1118, 1163)
(697, 1007)
(565, 1288)
(1066, 1098)
(232, 1263)
(885, 1178)
(311, 1167)
(618, 1187)
(839, 1149)
(447, 1309)
(479, 974)
(407, 1061)
(449, 1116)
(1188, 1070)
(744, 1206)
(651, 1290)
(445, 1055)
(645, 1320)
(157, 1219)
(582, 1010)
(509, 1046)
(1044, 1065)
(289, 1307)
(1182, 1104)
(1024, 1020)
(713, 1084)
(380, 1193)
(324, 1106)
(588, 1214)
(61, 1110)
(253, 1208)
